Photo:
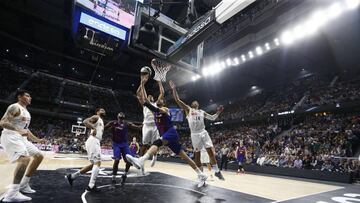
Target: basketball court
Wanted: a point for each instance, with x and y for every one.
(171, 180)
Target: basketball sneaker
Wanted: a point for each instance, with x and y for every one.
(93, 189)
(136, 162)
(17, 197)
(123, 179)
(201, 180)
(219, 175)
(26, 189)
(153, 160)
(69, 179)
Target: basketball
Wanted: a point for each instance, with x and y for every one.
(145, 70)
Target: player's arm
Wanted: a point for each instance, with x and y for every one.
(33, 138)
(156, 109)
(137, 148)
(89, 122)
(109, 125)
(161, 90)
(179, 102)
(143, 96)
(236, 154)
(6, 121)
(132, 125)
(214, 116)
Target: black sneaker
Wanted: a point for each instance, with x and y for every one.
(123, 179)
(219, 175)
(93, 189)
(69, 179)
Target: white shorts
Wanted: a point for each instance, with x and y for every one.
(150, 134)
(16, 145)
(204, 157)
(93, 148)
(201, 140)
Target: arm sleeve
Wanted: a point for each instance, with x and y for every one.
(151, 107)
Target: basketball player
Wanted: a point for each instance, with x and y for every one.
(199, 136)
(134, 147)
(120, 144)
(241, 154)
(169, 136)
(149, 131)
(14, 139)
(92, 145)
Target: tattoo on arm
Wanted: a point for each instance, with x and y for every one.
(89, 122)
(8, 117)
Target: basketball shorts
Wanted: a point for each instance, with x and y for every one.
(204, 157)
(150, 134)
(93, 149)
(201, 140)
(172, 137)
(241, 160)
(121, 150)
(16, 145)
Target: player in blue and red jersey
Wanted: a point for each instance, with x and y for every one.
(120, 144)
(169, 136)
(241, 154)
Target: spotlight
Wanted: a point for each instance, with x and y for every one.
(243, 58)
(251, 55)
(236, 61)
(205, 72)
(59, 64)
(319, 18)
(259, 51)
(277, 42)
(195, 77)
(228, 62)
(310, 27)
(223, 65)
(287, 38)
(352, 4)
(334, 10)
(299, 31)
(7, 50)
(267, 46)
(26, 56)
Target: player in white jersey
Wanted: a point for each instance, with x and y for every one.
(150, 132)
(14, 139)
(199, 136)
(92, 145)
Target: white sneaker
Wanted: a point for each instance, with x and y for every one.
(153, 160)
(17, 197)
(27, 189)
(202, 180)
(136, 162)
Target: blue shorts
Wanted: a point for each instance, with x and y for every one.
(120, 149)
(173, 140)
(241, 159)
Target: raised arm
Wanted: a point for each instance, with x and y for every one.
(216, 115)
(182, 105)
(6, 121)
(109, 125)
(162, 91)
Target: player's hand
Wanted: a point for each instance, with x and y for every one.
(172, 85)
(41, 141)
(220, 109)
(144, 78)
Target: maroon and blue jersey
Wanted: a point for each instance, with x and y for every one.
(120, 132)
(133, 148)
(163, 122)
(241, 151)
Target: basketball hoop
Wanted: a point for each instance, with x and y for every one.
(160, 68)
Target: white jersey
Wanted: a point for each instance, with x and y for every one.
(99, 126)
(148, 115)
(196, 120)
(22, 121)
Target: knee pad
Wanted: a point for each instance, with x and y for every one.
(157, 143)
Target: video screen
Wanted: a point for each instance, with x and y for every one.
(177, 115)
(118, 11)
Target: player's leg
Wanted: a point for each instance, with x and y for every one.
(95, 152)
(145, 140)
(197, 155)
(211, 152)
(201, 176)
(15, 149)
(116, 157)
(155, 136)
(139, 162)
(197, 145)
(124, 151)
(34, 164)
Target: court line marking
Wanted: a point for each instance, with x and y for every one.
(301, 196)
(83, 196)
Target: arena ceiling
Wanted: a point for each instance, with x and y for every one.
(42, 29)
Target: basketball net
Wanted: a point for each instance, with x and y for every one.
(160, 68)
